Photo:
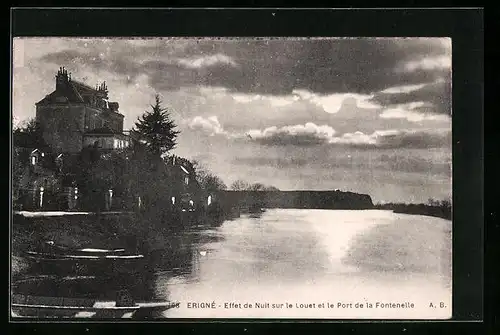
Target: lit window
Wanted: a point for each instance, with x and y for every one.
(186, 180)
(115, 143)
(33, 160)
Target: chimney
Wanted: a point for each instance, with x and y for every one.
(61, 78)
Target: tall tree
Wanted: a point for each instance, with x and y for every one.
(157, 130)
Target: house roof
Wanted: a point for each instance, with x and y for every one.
(71, 92)
(65, 93)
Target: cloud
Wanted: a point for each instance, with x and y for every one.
(273, 101)
(332, 103)
(377, 73)
(301, 135)
(310, 135)
(402, 89)
(411, 138)
(415, 164)
(277, 162)
(210, 125)
(428, 63)
(412, 112)
(206, 61)
(436, 97)
(269, 67)
(414, 161)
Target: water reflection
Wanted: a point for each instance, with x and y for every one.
(52, 282)
(275, 256)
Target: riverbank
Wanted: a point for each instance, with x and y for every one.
(139, 232)
(443, 212)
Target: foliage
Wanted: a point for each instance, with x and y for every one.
(18, 171)
(271, 188)
(29, 135)
(439, 203)
(241, 185)
(157, 130)
(438, 208)
(207, 180)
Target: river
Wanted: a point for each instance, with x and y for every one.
(300, 263)
(344, 260)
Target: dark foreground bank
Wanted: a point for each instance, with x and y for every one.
(137, 232)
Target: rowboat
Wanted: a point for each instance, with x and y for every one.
(66, 307)
(59, 259)
(50, 296)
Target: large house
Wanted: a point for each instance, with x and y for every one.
(73, 117)
(76, 115)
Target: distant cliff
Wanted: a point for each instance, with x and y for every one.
(295, 199)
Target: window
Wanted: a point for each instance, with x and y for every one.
(33, 160)
(186, 180)
(115, 144)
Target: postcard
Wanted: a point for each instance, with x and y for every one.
(254, 178)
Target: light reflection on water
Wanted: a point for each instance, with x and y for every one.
(313, 255)
(301, 256)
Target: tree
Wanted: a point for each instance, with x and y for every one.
(29, 135)
(257, 187)
(207, 180)
(211, 182)
(271, 188)
(157, 130)
(239, 185)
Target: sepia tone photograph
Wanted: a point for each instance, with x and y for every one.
(260, 178)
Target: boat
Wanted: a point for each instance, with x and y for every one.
(53, 258)
(67, 307)
(50, 296)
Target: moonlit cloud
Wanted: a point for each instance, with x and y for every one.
(428, 63)
(412, 116)
(274, 101)
(333, 102)
(210, 125)
(311, 134)
(412, 112)
(402, 89)
(433, 97)
(308, 134)
(397, 138)
(205, 61)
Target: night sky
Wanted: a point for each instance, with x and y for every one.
(365, 115)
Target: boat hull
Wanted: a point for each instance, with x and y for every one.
(84, 264)
(26, 306)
